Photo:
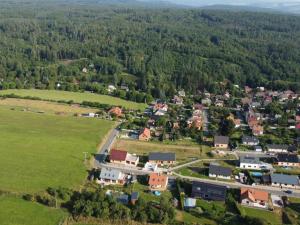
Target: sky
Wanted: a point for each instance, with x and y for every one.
(235, 2)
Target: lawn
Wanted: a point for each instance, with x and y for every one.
(45, 106)
(38, 151)
(268, 217)
(16, 211)
(75, 96)
(183, 153)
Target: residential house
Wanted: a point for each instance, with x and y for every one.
(123, 157)
(292, 149)
(189, 203)
(124, 87)
(288, 159)
(246, 101)
(218, 171)
(160, 158)
(258, 148)
(251, 141)
(253, 163)
(206, 101)
(84, 70)
(111, 176)
(145, 135)
(178, 100)
(158, 182)
(181, 93)
(196, 122)
(115, 111)
(247, 89)
(123, 199)
(257, 130)
(111, 88)
(221, 142)
(134, 197)
(237, 123)
(219, 103)
(160, 106)
(208, 191)
(254, 198)
(284, 181)
(277, 148)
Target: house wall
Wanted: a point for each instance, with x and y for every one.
(161, 162)
(143, 137)
(221, 145)
(288, 164)
(285, 185)
(250, 166)
(118, 162)
(257, 204)
(219, 176)
(276, 150)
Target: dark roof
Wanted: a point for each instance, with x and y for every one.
(286, 157)
(168, 156)
(123, 199)
(266, 178)
(134, 196)
(208, 191)
(274, 146)
(292, 148)
(284, 179)
(221, 140)
(219, 170)
(118, 155)
(250, 139)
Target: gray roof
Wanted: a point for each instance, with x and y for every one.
(250, 139)
(249, 159)
(168, 156)
(111, 174)
(219, 170)
(221, 140)
(284, 179)
(274, 146)
(286, 157)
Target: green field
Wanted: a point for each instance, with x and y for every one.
(75, 96)
(38, 151)
(268, 217)
(15, 211)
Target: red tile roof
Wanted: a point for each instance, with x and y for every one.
(117, 155)
(254, 195)
(157, 179)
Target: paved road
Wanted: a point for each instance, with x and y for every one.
(205, 120)
(272, 190)
(105, 148)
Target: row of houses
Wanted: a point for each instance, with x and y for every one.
(154, 158)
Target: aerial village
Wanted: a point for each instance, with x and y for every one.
(247, 145)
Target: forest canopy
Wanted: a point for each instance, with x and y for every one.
(151, 50)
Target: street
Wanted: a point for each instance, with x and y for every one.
(104, 150)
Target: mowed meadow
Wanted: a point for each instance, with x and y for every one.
(15, 211)
(38, 151)
(77, 97)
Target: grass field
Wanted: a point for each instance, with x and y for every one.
(38, 151)
(75, 96)
(183, 153)
(268, 217)
(15, 211)
(47, 107)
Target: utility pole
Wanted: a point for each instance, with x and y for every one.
(85, 156)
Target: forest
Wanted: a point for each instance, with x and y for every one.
(152, 51)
